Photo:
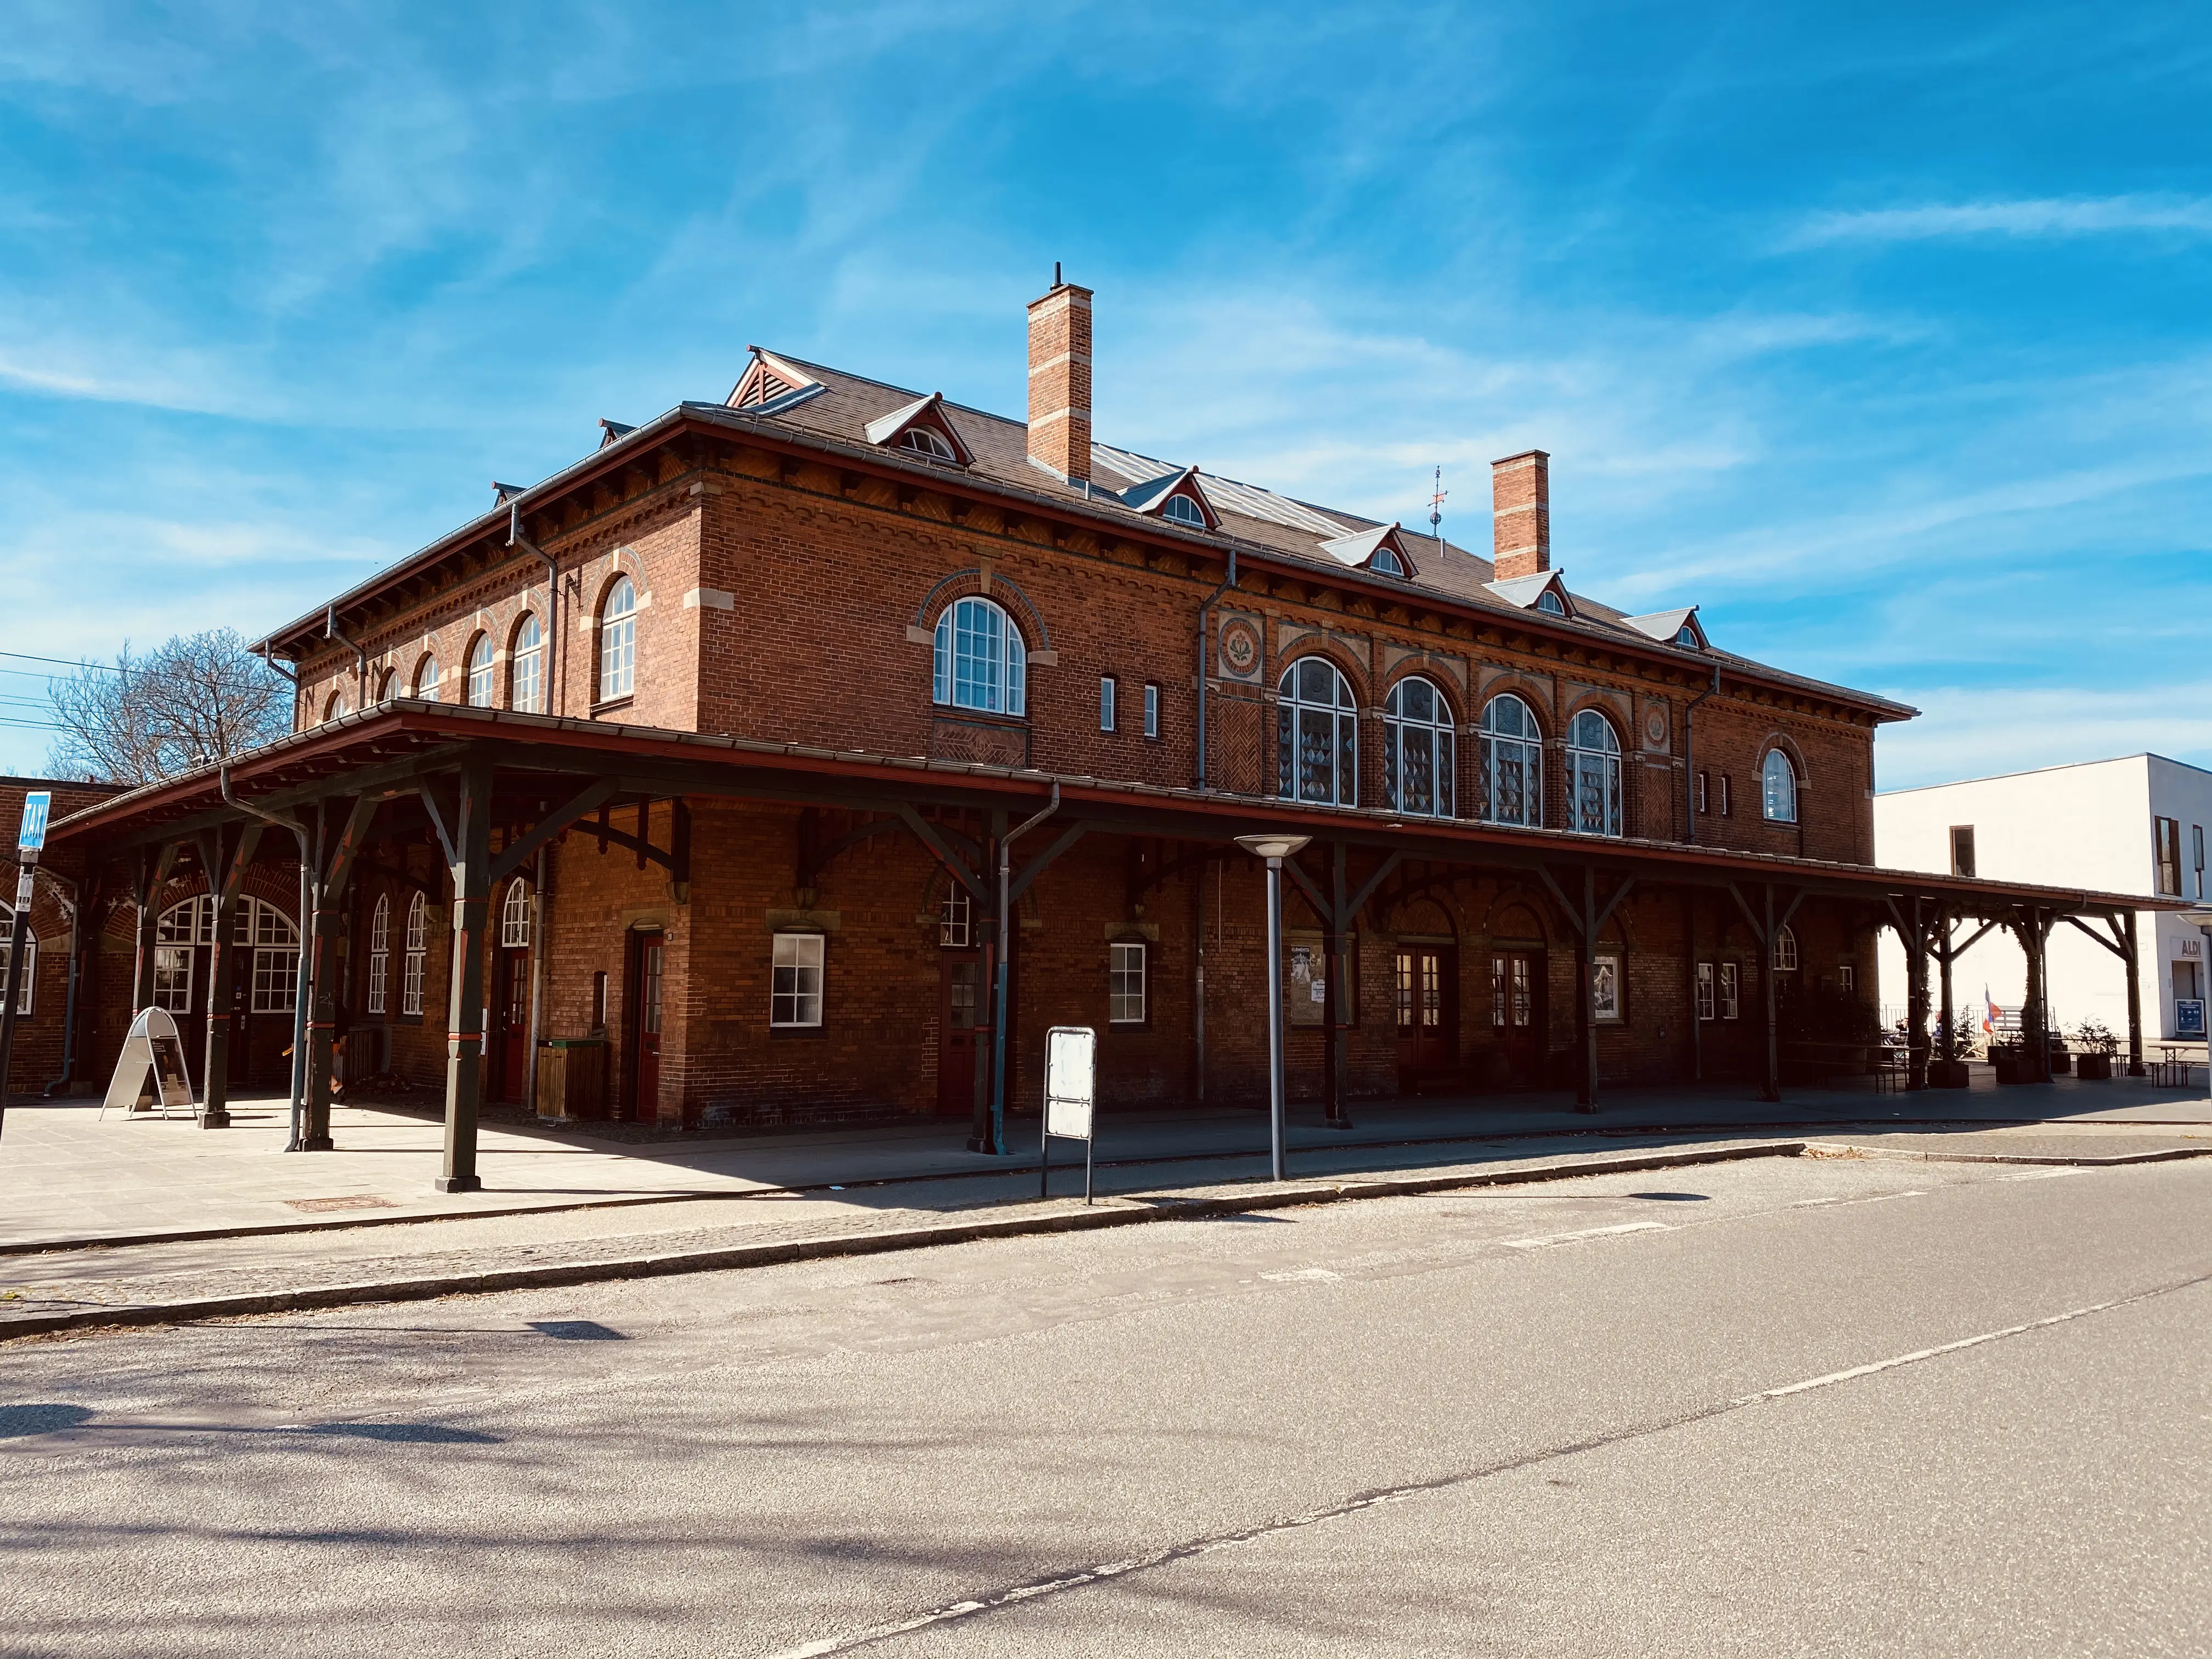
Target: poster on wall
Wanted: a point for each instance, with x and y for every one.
(2189, 1017)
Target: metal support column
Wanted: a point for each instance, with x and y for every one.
(334, 858)
(224, 852)
(1916, 998)
(2135, 1000)
(463, 821)
(1943, 958)
(1770, 1089)
(1585, 1013)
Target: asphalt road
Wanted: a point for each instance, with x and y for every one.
(1568, 1419)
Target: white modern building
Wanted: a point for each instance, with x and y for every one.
(2132, 825)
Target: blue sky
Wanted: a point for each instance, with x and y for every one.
(1879, 333)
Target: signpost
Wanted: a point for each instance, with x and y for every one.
(1069, 1077)
(30, 842)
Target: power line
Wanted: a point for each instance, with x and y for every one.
(274, 680)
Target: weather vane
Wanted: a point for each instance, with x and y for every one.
(1436, 508)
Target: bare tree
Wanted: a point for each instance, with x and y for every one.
(198, 699)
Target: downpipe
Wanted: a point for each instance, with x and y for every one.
(998, 1146)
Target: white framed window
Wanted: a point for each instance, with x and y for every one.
(379, 952)
(1106, 690)
(188, 922)
(1727, 811)
(956, 919)
(1151, 711)
(1512, 764)
(618, 641)
(978, 659)
(2196, 837)
(1550, 604)
(514, 917)
(1317, 735)
(1847, 976)
(415, 957)
(1785, 951)
(334, 706)
(426, 678)
(1605, 989)
(526, 660)
(1704, 793)
(1125, 984)
(481, 674)
(1778, 788)
(1706, 999)
(1686, 636)
(1731, 987)
(1418, 760)
(1593, 774)
(1385, 563)
(25, 992)
(795, 986)
(276, 958)
(923, 441)
(1184, 511)
(172, 978)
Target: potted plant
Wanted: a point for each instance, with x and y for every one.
(2096, 1045)
(1950, 1074)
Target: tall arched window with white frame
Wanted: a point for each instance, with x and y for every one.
(1418, 752)
(1778, 788)
(1317, 735)
(1593, 775)
(426, 678)
(514, 917)
(1512, 763)
(978, 659)
(525, 657)
(618, 641)
(379, 952)
(478, 690)
(417, 956)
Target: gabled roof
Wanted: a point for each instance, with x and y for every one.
(612, 432)
(1666, 626)
(771, 384)
(1358, 550)
(1151, 496)
(1522, 591)
(928, 412)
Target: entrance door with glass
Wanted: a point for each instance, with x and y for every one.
(959, 1024)
(1516, 1014)
(1428, 1031)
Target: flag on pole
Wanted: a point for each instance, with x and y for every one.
(1991, 1013)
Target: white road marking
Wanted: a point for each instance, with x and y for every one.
(2050, 1175)
(1303, 1276)
(1587, 1232)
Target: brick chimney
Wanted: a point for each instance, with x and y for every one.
(1060, 381)
(1520, 513)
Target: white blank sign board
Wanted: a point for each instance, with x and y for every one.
(151, 1068)
(1068, 1053)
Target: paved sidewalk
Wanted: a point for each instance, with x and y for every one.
(67, 1177)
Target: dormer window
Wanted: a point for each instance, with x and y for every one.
(1549, 603)
(1687, 639)
(1184, 511)
(923, 441)
(1385, 563)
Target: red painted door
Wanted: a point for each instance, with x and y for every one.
(959, 1024)
(514, 1009)
(1516, 1020)
(1428, 1046)
(646, 960)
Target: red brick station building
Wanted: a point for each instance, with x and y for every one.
(678, 787)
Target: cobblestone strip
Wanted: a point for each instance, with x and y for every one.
(235, 1292)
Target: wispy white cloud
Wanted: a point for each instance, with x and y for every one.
(1981, 731)
(2044, 217)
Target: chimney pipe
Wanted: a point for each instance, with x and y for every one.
(1520, 513)
(1060, 382)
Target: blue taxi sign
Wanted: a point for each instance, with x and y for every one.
(32, 836)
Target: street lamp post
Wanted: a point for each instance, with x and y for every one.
(1274, 849)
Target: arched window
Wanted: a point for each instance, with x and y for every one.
(379, 952)
(1785, 950)
(416, 956)
(275, 944)
(426, 678)
(1593, 775)
(956, 919)
(979, 661)
(1317, 735)
(1778, 788)
(1549, 603)
(1183, 511)
(514, 917)
(334, 706)
(25, 993)
(618, 641)
(525, 657)
(479, 687)
(1416, 751)
(1386, 563)
(923, 441)
(1512, 764)
(387, 686)
(1686, 636)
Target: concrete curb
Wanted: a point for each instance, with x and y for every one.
(1846, 1149)
(1118, 1211)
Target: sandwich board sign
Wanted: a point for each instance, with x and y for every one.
(150, 1070)
(1070, 1053)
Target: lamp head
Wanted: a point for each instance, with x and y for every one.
(1272, 846)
